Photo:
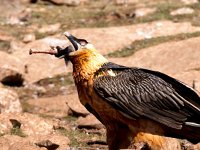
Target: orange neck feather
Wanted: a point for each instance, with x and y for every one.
(86, 64)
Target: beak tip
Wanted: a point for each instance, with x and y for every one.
(67, 34)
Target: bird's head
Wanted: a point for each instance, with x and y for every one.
(80, 47)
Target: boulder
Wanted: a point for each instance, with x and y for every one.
(11, 77)
(36, 142)
(89, 122)
(52, 140)
(53, 106)
(66, 2)
(9, 101)
(49, 28)
(11, 70)
(126, 2)
(141, 12)
(30, 124)
(14, 142)
(75, 106)
(182, 11)
(189, 2)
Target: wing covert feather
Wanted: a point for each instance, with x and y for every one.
(137, 93)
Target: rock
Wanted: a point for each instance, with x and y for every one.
(50, 28)
(53, 106)
(66, 2)
(141, 12)
(183, 66)
(11, 70)
(139, 146)
(182, 11)
(4, 36)
(89, 122)
(97, 144)
(19, 17)
(15, 45)
(29, 38)
(197, 146)
(126, 2)
(13, 142)
(52, 140)
(189, 2)
(75, 106)
(47, 144)
(25, 145)
(27, 1)
(9, 101)
(11, 77)
(30, 124)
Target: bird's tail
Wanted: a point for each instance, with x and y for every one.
(189, 131)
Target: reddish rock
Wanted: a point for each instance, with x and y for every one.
(75, 106)
(89, 122)
(30, 124)
(189, 2)
(52, 139)
(54, 106)
(9, 101)
(29, 38)
(126, 2)
(141, 12)
(14, 142)
(11, 77)
(50, 28)
(182, 11)
(11, 70)
(66, 2)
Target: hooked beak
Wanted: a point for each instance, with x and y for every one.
(77, 44)
(73, 40)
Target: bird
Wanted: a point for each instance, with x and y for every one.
(134, 104)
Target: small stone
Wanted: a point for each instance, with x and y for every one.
(50, 28)
(126, 2)
(189, 2)
(15, 123)
(47, 144)
(182, 11)
(66, 2)
(141, 12)
(29, 38)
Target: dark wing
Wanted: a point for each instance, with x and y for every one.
(144, 93)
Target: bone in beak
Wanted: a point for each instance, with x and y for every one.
(51, 52)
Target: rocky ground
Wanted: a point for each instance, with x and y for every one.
(39, 107)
